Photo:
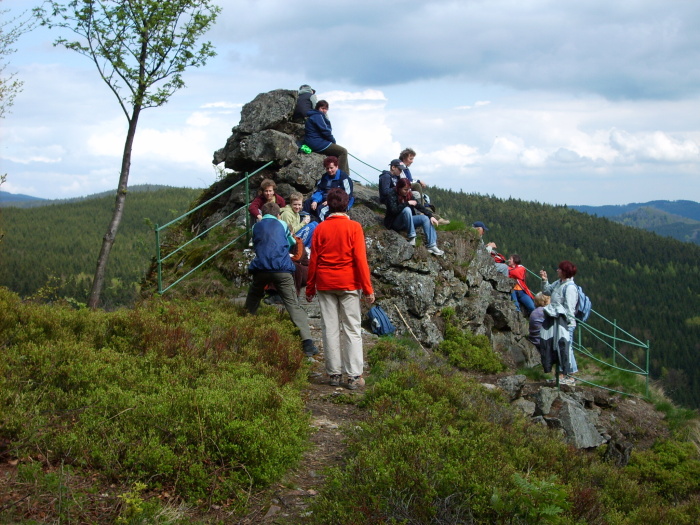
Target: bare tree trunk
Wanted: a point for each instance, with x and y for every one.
(109, 237)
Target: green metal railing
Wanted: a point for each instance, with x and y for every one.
(612, 344)
(158, 229)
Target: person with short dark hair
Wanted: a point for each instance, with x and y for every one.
(338, 274)
(266, 193)
(389, 178)
(272, 264)
(403, 213)
(319, 135)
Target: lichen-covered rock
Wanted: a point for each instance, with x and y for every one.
(267, 110)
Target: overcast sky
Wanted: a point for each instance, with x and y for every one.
(563, 102)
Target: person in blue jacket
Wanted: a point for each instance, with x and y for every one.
(334, 177)
(272, 264)
(319, 135)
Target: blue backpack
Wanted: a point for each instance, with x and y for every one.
(380, 322)
(583, 305)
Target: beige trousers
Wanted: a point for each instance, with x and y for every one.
(342, 333)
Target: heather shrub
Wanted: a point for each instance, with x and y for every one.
(192, 397)
(466, 350)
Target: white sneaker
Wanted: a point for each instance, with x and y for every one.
(567, 380)
(435, 250)
(412, 241)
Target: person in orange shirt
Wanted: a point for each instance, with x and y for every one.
(338, 274)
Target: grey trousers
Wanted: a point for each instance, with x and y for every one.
(284, 283)
(342, 333)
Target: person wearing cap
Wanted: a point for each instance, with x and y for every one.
(388, 179)
(306, 101)
(407, 156)
(498, 259)
(318, 135)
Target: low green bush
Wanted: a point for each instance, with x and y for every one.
(193, 397)
(466, 350)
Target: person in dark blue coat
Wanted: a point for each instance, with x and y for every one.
(319, 135)
(334, 177)
(272, 264)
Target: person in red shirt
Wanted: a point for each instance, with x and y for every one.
(521, 294)
(338, 274)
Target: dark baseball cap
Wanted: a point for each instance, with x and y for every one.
(398, 164)
(479, 224)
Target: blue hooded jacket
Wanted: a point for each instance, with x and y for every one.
(326, 183)
(271, 247)
(318, 131)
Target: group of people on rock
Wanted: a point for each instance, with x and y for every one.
(331, 259)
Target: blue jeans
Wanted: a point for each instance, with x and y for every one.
(523, 301)
(409, 222)
(573, 367)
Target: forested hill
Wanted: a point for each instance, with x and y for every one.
(59, 243)
(649, 284)
(677, 219)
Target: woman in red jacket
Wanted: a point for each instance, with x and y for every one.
(521, 294)
(338, 273)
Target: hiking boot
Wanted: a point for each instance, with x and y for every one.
(442, 222)
(310, 349)
(355, 382)
(435, 250)
(567, 380)
(412, 241)
(335, 380)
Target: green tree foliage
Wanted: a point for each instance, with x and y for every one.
(48, 251)
(649, 284)
(140, 49)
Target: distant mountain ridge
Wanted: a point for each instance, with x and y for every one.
(27, 201)
(677, 219)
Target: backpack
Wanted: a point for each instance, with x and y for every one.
(380, 322)
(583, 305)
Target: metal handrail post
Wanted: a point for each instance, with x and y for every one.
(159, 262)
(647, 376)
(615, 342)
(247, 215)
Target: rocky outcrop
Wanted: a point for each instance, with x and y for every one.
(412, 285)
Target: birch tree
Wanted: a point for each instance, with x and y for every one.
(140, 49)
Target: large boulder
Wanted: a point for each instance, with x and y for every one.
(267, 111)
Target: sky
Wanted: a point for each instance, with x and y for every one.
(554, 101)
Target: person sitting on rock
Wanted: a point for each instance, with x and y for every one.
(498, 258)
(521, 294)
(334, 177)
(537, 318)
(407, 156)
(299, 221)
(273, 265)
(402, 215)
(306, 101)
(266, 193)
(319, 135)
(388, 179)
